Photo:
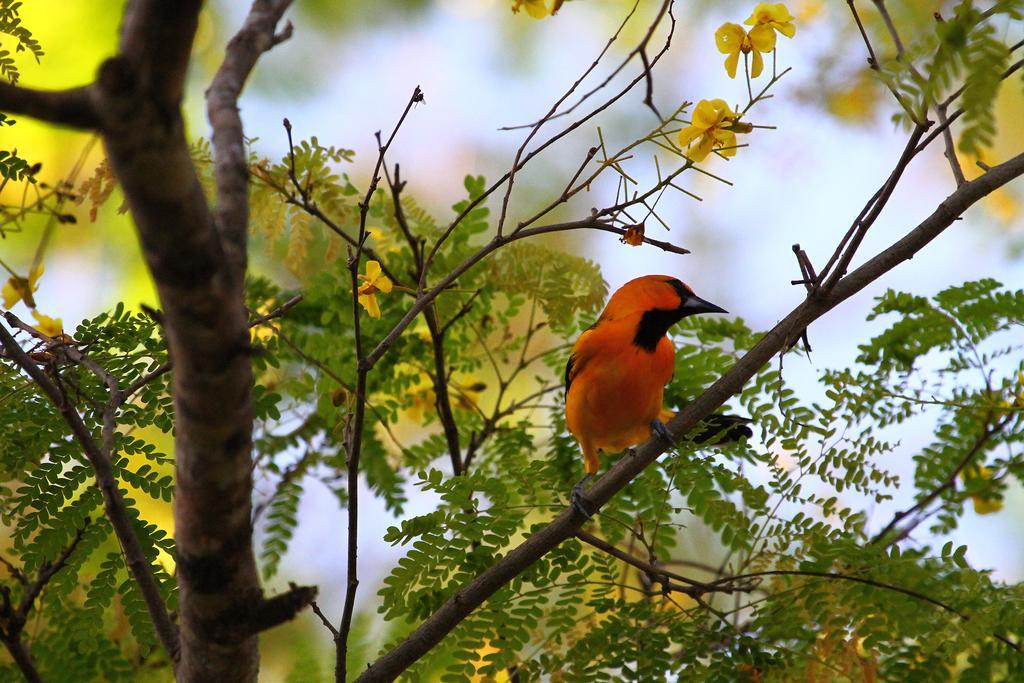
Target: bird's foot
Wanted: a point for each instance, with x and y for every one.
(659, 428)
(580, 502)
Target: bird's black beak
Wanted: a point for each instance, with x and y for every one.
(694, 304)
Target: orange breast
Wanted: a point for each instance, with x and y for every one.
(617, 392)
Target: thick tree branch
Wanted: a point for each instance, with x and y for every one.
(200, 286)
(156, 39)
(23, 659)
(270, 612)
(469, 597)
(72, 107)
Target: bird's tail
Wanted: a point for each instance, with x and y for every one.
(716, 428)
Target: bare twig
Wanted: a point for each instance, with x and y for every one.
(608, 79)
(354, 429)
(873, 63)
(535, 128)
(890, 26)
(323, 619)
(665, 10)
(844, 253)
(659, 574)
(353, 448)
(439, 376)
(947, 139)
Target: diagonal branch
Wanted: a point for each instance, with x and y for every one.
(231, 168)
(836, 576)
(990, 430)
(663, 576)
(473, 594)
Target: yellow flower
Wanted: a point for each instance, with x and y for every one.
(263, 331)
(716, 125)
(19, 288)
(51, 327)
(731, 40)
(374, 281)
(767, 18)
(984, 503)
(538, 9)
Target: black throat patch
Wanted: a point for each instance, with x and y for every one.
(654, 325)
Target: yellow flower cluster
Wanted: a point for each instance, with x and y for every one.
(714, 124)
(766, 19)
(538, 9)
(714, 127)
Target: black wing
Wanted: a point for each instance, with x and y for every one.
(568, 373)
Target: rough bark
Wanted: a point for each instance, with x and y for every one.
(198, 265)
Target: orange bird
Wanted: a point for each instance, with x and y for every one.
(619, 366)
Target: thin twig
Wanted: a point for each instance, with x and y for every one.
(947, 139)
(355, 426)
(893, 33)
(665, 10)
(658, 574)
(844, 253)
(608, 79)
(949, 482)
(873, 63)
(836, 576)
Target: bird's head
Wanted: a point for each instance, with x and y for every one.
(656, 293)
(659, 301)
